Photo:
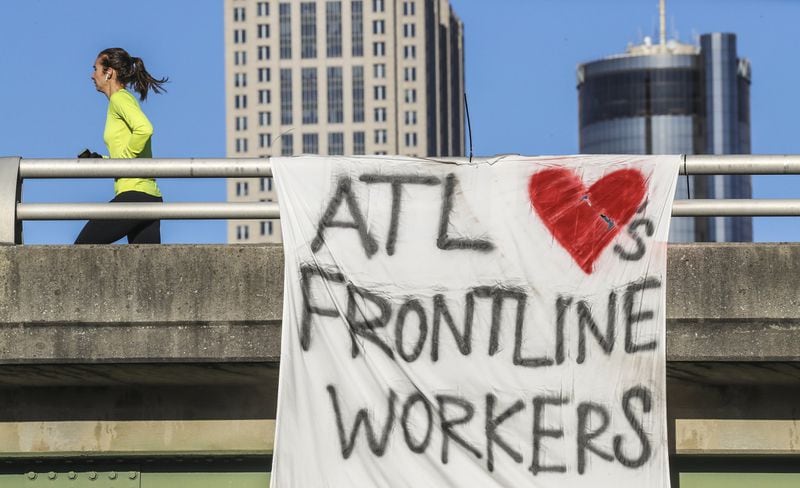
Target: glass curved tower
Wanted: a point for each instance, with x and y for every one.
(673, 98)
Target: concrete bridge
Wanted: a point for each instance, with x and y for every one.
(174, 351)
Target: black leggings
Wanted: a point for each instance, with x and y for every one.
(138, 231)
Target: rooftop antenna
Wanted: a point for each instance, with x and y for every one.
(662, 16)
(675, 34)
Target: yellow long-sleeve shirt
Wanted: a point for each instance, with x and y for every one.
(127, 135)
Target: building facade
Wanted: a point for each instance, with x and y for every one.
(338, 77)
(674, 98)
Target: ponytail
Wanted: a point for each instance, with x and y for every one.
(142, 81)
(131, 71)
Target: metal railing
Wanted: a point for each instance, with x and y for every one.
(13, 171)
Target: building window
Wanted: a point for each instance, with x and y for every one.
(287, 145)
(357, 21)
(335, 96)
(240, 58)
(309, 95)
(264, 75)
(263, 53)
(380, 92)
(240, 79)
(285, 24)
(264, 118)
(241, 145)
(359, 143)
(379, 27)
(266, 227)
(358, 94)
(333, 29)
(311, 143)
(266, 184)
(410, 74)
(264, 140)
(242, 232)
(381, 136)
(239, 36)
(336, 143)
(409, 30)
(240, 101)
(241, 124)
(263, 31)
(410, 52)
(411, 139)
(286, 96)
(262, 9)
(411, 117)
(378, 6)
(308, 30)
(408, 8)
(238, 14)
(411, 95)
(379, 71)
(242, 188)
(380, 114)
(264, 97)
(378, 48)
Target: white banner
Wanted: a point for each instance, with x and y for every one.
(490, 324)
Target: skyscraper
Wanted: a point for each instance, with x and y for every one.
(674, 98)
(338, 77)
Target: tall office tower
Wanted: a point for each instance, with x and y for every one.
(674, 98)
(338, 77)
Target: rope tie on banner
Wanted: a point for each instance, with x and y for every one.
(469, 125)
(686, 173)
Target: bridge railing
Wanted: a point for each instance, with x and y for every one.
(13, 171)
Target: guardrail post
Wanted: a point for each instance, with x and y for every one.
(10, 193)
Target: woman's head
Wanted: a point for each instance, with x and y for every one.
(115, 64)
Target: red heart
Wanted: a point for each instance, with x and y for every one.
(584, 221)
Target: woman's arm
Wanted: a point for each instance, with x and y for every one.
(141, 129)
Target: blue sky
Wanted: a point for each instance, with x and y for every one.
(521, 57)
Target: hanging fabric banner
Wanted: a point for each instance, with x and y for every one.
(498, 323)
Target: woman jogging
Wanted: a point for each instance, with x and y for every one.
(127, 135)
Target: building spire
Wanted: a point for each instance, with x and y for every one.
(662, 15)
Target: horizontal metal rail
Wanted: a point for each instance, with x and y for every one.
(144, 168)
(741, 164)
(737, 208)
(147, 211)
(263, 210)
(745, 164)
